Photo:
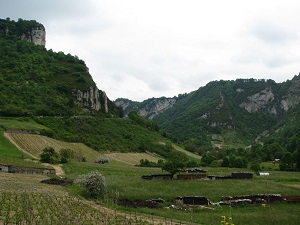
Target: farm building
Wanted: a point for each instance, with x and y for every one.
(192, 174)
(158, 177)
(242, 175)
(25, 169)
(193, 200)
(4, 167)
(258, 198)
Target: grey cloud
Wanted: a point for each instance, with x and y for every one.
(44, 11)
(273, 34)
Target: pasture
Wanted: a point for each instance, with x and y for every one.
(124, 182)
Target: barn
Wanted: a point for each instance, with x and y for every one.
(4, 167)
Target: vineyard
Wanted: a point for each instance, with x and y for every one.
(30, 209)
(34, 144)
(24, 208)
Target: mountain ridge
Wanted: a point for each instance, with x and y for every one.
(222, 107)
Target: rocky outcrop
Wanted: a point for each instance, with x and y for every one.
(37, 36)
(292, 96)
(259, 101)
(25, 30)
(92, 99)
(159, 106)
(149, 108)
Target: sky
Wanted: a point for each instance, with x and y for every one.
(139, 49)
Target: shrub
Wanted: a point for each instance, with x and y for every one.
(102, 160)
(94, 182)
(66, 155)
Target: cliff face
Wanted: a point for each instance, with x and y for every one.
(36, 36)
(270, 101)
(59, 85)
(259, 101)
(292, 96)
(92, 98)
(25, 30)
(149, 108)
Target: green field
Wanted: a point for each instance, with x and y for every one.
(9, 154)
(20, 124)
(124, 182)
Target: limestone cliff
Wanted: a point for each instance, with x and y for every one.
(36, 35)
(25, 30)
(292, 96)
(92, 99)
(259, 101)
(158, 107)
(270, 101)
(149, 108)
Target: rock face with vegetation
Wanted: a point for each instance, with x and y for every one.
(57, 91)
(36, 81)
(149, 108)
(31, 31)
(223, 113)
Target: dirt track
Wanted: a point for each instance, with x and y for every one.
(58, 169)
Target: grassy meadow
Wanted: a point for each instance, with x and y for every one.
(124, 182)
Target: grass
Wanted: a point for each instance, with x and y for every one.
(124, 181)
(20, 124)
(34, 144)
(191, 155)
(29, 183)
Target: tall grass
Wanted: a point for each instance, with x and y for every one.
(125, 181)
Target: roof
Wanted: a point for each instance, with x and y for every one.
(3, 164)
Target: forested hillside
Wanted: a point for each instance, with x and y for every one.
(56, 90)
(233, 115)
(36, 81)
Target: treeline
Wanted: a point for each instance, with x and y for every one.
(18, 28)
(253, 156)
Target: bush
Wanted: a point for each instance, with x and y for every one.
(94, 182)
(102, 160)
(66, 155)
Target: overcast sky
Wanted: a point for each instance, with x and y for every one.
(138, 49)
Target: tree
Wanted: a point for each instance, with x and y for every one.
(173, 164)
(255, 167)
(94, 182)
(207, 159)
(49, 155)
(297, 158)
(66, 155)
(286, 162)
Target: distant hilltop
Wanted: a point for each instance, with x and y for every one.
(25, 30)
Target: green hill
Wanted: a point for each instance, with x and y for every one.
(36, 81)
